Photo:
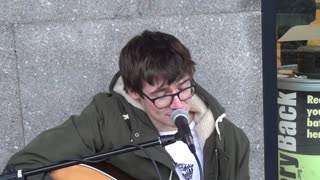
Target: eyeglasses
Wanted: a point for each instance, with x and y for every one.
(166, 100)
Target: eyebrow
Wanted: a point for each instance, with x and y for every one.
(163, 86)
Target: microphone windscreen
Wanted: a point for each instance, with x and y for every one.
(177, 113)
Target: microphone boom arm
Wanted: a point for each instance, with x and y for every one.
(21, 174)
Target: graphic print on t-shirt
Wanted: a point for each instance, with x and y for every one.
(186, 170)
(184, 161)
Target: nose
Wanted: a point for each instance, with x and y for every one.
(177, 103)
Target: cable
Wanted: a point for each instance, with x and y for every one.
(199, 166)
(148, 154)
(44, 175)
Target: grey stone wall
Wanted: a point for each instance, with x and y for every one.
(55, 55)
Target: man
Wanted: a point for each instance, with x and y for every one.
(155, 79)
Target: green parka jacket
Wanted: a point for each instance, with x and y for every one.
(113, 120)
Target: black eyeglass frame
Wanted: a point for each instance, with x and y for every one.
(193, 85)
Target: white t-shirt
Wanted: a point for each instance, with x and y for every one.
(186, 164)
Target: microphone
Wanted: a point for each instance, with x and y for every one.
(179, 117)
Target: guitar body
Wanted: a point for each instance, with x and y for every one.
(101, 171)
(80, 172)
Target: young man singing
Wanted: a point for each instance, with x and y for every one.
(155, 79)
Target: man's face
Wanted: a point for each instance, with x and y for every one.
(161, 117)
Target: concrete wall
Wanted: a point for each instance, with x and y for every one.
(55, 55)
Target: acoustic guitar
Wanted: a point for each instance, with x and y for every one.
(100, 171)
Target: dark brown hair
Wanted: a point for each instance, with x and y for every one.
(154, 56)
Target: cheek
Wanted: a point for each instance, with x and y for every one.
(151, 109)
(189, 102)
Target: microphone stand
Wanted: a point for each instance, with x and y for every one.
(21, 174)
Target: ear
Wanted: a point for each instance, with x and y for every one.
(133, 94)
